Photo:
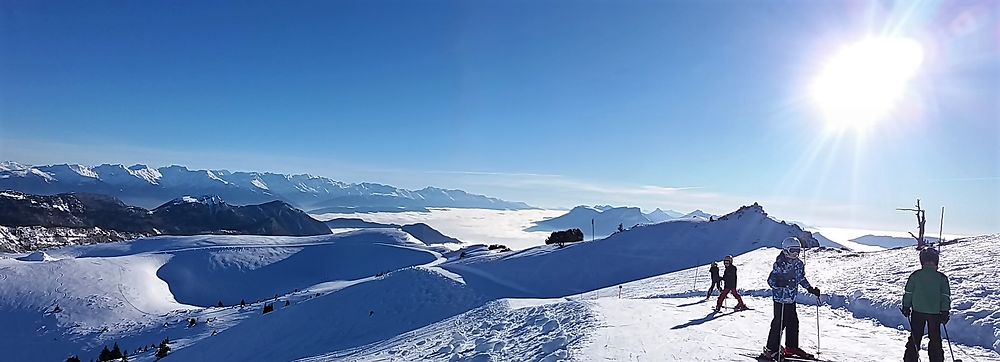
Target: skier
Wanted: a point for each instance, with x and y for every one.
(729, 280)
(716, 280)
(926, 301)
(785, 278)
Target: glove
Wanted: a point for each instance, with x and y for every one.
(945, 316)
(813, 291)
(905, 311)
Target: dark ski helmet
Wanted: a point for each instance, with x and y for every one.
(929, 255)
(728, 258)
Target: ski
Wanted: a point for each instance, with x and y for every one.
(789, 359)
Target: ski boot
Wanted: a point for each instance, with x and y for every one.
(797, 353)
(740, 307)
(769, 355)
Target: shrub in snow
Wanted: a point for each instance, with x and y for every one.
(73, 359)
(164, 349)
(565, 236)
(500, 247)
(268, 308)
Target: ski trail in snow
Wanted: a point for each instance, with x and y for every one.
(125, 298)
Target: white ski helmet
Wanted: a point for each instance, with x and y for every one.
(791, 246)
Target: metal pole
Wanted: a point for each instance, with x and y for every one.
(694, 283)
(817, 324)
(949, 343)
(941, 230)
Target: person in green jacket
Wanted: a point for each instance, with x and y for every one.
(926, 303)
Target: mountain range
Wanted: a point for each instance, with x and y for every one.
(606, 219)
(29, 222)
(148, 187)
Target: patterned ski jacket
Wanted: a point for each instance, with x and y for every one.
(786, 276)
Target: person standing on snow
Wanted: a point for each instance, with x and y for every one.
(729, 280)
(716, 280)
(785, 278)
(926, 302)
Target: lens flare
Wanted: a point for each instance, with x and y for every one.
(864, 81)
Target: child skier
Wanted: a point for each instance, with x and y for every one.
(716, 280)
(729, 280)
(786, 276)
(926, 302)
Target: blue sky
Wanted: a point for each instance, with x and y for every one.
(674, 104)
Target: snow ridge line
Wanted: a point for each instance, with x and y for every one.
(884, 312)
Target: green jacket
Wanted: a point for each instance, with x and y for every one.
(927, 292)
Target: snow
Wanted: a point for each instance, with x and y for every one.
(205, 199)
(147, 173)
(12, 195)
(37, 256)
(380, 294)
(502, 330)
(258, 183)
(11, 166)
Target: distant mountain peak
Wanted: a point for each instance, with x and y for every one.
(203, 199)
(11, 166)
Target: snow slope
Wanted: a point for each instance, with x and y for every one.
(870, 284)
(662, 319)
(641, 252)
(125, 292)
(398, 299)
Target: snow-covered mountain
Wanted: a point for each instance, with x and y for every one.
(659, 215)
(607, 218)
(697, 214)
(148, 187)
(33, 221)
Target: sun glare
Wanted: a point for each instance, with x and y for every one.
(864, 81)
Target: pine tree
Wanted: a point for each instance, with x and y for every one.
(220, 304)
(116, 352)
(105, 354)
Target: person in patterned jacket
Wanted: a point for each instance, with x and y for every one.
(785, 278)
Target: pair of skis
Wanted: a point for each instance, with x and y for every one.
(783, 358)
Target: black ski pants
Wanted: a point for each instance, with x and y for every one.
(715, 284)
(933, 324)
(785, 317)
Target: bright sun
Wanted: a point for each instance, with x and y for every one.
(863, 82)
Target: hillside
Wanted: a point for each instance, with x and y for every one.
(30, 222)
(381, 294)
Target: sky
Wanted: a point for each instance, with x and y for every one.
(673, 104)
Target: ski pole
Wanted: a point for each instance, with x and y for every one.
(817, 324)
(949, 343)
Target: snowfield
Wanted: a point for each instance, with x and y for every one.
(380, 294)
